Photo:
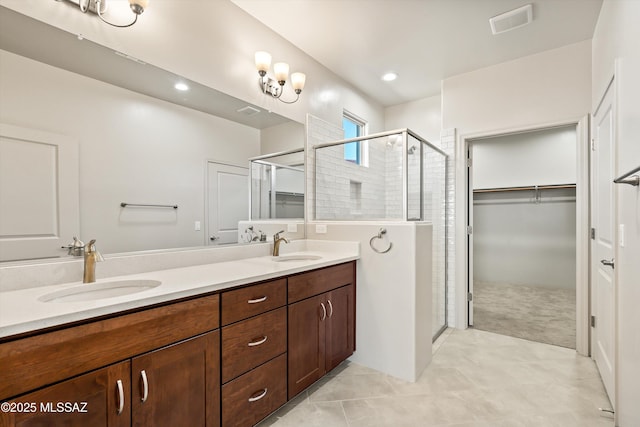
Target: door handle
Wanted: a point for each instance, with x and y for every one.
(213, 238)
(610, 263)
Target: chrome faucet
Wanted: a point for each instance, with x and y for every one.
(91, 256)
(276, 242)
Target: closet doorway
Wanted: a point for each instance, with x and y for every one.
(522, 244)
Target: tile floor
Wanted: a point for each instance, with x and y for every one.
(476, 379)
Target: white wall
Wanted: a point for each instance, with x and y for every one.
(133, 148)
(548, 87)
(616, 36)
(393, 305)
(284, 137)
(551, 87)
(423, 116)
(545, 157)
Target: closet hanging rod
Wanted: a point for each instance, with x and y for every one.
(531, 187)
(628, 179)
(124, 205)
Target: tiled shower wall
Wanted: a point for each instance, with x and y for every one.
(448, 145)
(320, 131)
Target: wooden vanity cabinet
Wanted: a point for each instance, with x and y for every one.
(230, 358)
(321, 326)
(101, 363)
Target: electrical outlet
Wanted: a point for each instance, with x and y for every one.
(321, 228)
(292, 228)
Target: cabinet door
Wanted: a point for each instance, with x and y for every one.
(340, 340)
(306, 343)
(178, 385)
(94, 399)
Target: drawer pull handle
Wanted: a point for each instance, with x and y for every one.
(120, 396)
(260, 341)
(324, 312)
(262, 393)
(257, 300)
(145, 386)
(330, 308)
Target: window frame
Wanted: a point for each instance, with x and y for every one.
(362, 148)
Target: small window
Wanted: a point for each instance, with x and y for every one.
(354, 152)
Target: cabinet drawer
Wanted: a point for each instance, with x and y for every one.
(253, 300)
(251, 342)
(251, 397)
(315, 282)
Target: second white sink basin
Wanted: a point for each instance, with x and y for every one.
(94, 291)
(302, 257)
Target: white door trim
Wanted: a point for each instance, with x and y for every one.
(462, 270)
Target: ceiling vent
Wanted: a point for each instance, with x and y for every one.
(248, 111)
(511, 20)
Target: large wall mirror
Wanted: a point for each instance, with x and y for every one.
(171, 157)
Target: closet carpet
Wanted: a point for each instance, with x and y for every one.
(546, 315)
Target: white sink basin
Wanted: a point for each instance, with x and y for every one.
(284, 258)
(94, 291)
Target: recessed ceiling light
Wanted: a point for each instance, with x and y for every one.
(181, 86)
(389, 77)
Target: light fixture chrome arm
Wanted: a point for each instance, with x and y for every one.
(275, 87)
(136, 6)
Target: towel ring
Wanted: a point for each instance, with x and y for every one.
(381, 233)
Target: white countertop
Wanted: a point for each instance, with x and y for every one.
(21, 310)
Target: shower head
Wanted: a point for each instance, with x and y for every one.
(411, 149)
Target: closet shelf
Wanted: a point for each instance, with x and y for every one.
(528, 188)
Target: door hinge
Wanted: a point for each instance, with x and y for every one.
(593, 321)
(469, 296)
(593, 145)
(593, 234)
(469, 229)
(469, 163)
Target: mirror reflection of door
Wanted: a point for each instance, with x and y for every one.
(227, 202)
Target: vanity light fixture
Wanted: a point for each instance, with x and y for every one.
(275, 87)
(100, 6)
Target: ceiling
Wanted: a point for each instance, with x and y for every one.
(423, 41)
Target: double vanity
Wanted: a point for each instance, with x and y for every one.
(225, 343)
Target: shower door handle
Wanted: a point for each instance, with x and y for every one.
(610, 263)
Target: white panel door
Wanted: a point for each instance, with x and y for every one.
(39, 208)
(603, 215)
(227, 200)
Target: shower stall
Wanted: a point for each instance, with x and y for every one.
(389, 176)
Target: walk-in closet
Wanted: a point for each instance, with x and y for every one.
(523, 254)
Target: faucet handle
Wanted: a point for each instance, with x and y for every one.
(277, 235)
(90, 248)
